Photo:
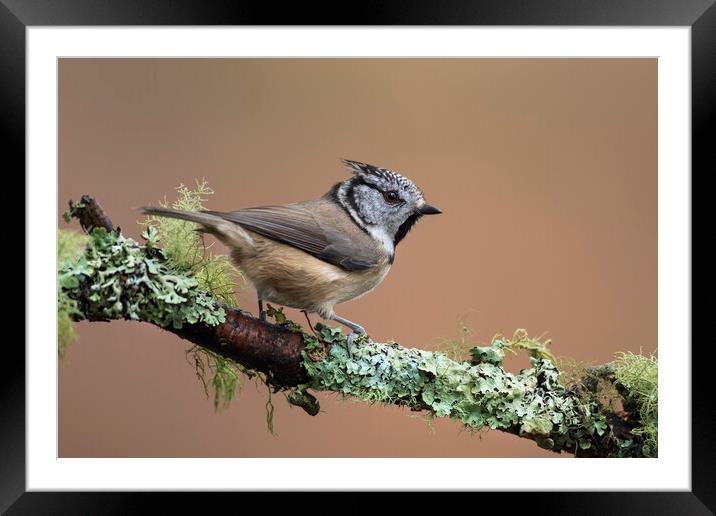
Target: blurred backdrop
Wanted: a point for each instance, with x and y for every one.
(546, 170)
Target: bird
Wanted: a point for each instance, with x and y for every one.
(315, 254)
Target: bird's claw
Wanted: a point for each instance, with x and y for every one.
(351, 339)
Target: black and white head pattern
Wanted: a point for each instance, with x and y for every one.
(382, 202)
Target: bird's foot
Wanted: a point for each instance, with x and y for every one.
(358, 330)
(352, 338)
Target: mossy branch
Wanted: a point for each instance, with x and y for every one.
(118, 278)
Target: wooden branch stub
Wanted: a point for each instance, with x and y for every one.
(90, 214)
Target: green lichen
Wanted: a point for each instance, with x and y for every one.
(185, 248)
(520, 340)
(179, 283)
(117, 278)
(637, 375)
(300, 397)
(72, 210)
(70, 245)
(480, 394)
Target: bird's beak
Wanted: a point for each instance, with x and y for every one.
(427, 209)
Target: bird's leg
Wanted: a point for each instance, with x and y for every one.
(358, 330)
(262, 312)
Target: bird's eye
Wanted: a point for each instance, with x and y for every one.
(391, 196)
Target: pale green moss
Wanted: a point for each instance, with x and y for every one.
(638, 377)
(66, 334)
(70, 245)
(186, 250)
(217, 373)
(457, 348)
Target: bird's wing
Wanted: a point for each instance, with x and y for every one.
(296, 226)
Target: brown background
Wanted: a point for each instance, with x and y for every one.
(546, 170)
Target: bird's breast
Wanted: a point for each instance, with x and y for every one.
(361, 282)
(288, 276)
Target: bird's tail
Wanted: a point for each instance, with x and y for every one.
(206, 220)
(228, 232)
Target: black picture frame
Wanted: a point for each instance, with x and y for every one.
(700, 15)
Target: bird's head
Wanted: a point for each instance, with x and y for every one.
(382, 201)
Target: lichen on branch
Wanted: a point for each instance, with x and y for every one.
(479, 393)
(118, 278)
